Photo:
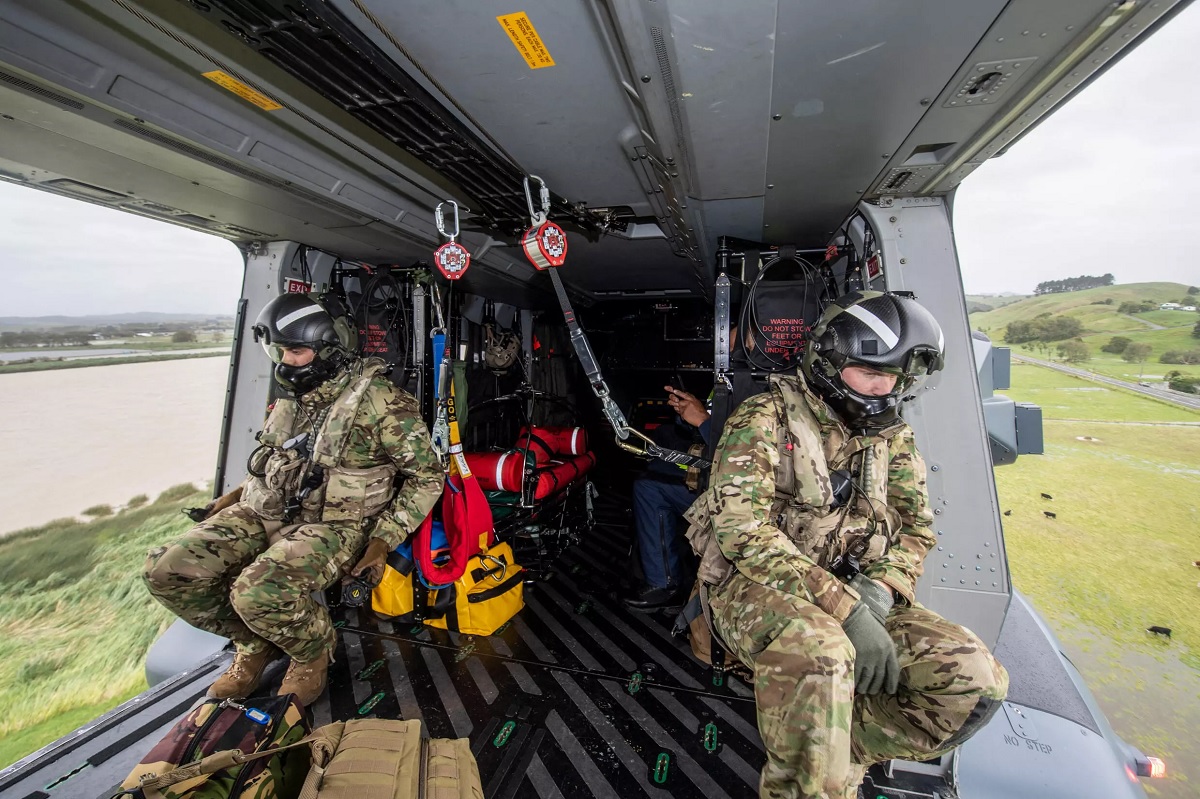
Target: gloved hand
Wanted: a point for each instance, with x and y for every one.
(875, 665)
(372, 561)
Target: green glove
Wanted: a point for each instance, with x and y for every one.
(877, 598)
(875, 666)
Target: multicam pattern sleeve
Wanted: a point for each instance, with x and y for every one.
(907, 495)
(403, 436)
(742, 490)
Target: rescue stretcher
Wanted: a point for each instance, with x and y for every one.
(533, 473)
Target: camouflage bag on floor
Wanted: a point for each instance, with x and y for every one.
(210, 753)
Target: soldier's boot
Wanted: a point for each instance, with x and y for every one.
(306, 680)
(243, 675)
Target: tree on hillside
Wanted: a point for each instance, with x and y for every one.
(1019, 332)
(1196, 331)
(1074, 351)
(1190, 357)
(1193, 290)
(1073, 284)
(1057, 328)
(183, 336)
(1188, 385)
(1116, 345)
(1044, 327)
(1136, 307)
(1137, 353)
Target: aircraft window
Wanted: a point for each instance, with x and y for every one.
(115, 335)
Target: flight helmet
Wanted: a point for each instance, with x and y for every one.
(888, 332)
(297, 320)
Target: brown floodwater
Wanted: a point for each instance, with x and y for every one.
(74, 438)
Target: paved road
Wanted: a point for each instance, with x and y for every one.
(1145, 322)
(1167, 395)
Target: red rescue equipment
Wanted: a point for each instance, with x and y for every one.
(549, 442)
(499, 471)
(466, 517)
(545, 243)
(558, 475)
(452, 258)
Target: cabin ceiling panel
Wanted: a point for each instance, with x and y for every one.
(723, 57)
(847, 95)
(565, 122)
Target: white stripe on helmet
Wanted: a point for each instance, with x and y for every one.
(875, 323)
(297, 315)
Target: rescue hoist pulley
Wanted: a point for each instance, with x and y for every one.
(452, 259)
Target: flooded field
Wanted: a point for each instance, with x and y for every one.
(75, 438)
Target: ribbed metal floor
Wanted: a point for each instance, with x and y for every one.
(577, 696)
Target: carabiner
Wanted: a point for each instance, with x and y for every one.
(485, 557)
(439, 219)
(538, 217)
(624, 443)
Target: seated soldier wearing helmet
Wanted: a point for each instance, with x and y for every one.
(320, 502)
(812, 535)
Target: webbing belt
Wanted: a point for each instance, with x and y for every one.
(545, 245)
(587, 358)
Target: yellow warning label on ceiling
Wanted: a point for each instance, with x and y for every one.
(525, 37)
(227, 81)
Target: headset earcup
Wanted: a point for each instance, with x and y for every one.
(347, 333)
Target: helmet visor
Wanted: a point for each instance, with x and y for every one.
(276, 352)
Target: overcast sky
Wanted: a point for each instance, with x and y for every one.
(132, 263)
(1100, 186)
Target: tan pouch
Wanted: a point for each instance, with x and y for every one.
(388, 759)
(713, 568)
(699, 633)
(352, 495)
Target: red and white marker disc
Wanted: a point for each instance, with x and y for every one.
(452, 260)
(545, 246)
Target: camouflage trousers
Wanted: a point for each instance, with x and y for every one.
(228, 576)
(819, 735)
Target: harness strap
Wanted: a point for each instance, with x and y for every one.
(581, 345)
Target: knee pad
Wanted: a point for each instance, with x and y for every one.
(980, 715)
(150, 570)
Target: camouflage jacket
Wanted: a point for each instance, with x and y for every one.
(769, 511)
(362, 433)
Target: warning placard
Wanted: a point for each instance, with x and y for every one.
(227, 81)
(525, 37)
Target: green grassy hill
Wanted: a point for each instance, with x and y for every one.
(1097, 318)
(1102, 322)
(994, 300)
(76, 620)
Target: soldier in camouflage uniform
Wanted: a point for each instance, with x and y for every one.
(321, 488)
(811, 538)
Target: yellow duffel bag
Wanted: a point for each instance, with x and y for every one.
(489, 593)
